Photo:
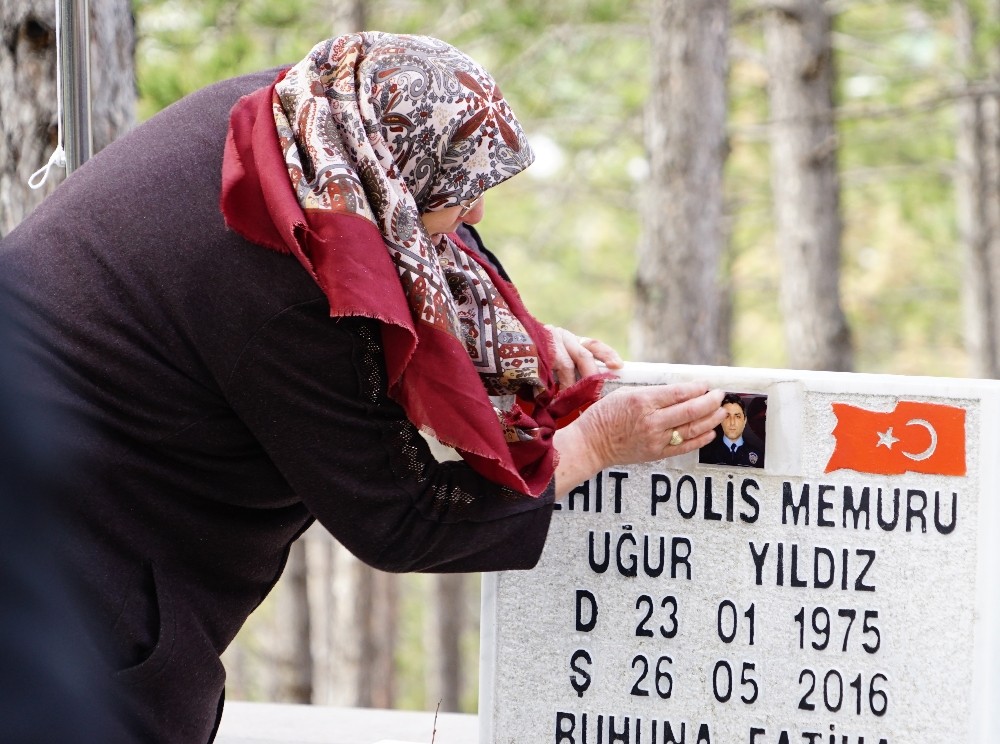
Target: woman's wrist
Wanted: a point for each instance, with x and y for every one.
(577, 459)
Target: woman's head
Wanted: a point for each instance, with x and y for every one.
(401, 132)
(443, 118)
(448, 219)
(412, 117)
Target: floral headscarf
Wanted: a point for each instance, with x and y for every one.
(369, 131)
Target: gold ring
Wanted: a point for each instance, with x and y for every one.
(676, 439)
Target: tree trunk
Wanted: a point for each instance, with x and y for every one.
(376, 618)
(28, 112)
(977, 196)
(349, 16)
(294, 627)
(679, 297)
(448, 622)
(320, 556)
(363, 630)
(806, 185)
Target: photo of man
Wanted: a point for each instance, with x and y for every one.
(735, 443)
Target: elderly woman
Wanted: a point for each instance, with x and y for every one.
(249, 308)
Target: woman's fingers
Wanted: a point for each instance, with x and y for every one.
(692, 421)
(686, 406)
(694, 434)
(637, 424)
(576, 357)
(564, 366)
(601, 352)
(583, 358)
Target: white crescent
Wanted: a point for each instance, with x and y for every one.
(934, 439)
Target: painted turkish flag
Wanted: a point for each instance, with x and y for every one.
(915, 437)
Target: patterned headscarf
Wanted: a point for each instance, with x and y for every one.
(372, 130)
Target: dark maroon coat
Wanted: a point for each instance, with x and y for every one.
(216, 409)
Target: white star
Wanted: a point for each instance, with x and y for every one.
(886, 439)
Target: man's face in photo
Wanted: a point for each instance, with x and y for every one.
(735, 421)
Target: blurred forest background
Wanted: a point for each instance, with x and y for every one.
(763, 183)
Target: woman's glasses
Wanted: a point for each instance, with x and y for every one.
(467, 206)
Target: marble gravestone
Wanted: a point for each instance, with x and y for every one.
(844, 588)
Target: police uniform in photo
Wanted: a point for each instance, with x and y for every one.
(735, 443)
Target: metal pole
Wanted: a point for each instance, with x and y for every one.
(74, 54)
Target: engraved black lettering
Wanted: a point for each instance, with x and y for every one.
(730, 498)
(668, 733)
(659, 491)
(750, 499)
(823, 505)
(586, 602)
(781, 564)
(573, 728)
(945, 529)
(857, 511)
(679, 558)
(788, 502)
(620, 736)
(617, 476)
(889, 526)
(629, 568)
(710, 514)
(859, 584)
(758, 560)
(754, 733)
(912, 512)
(687, 480)
(565, 726)
(647, 567)
(583, 492)
(827, 582)
(595, 565)
(851, 573)
(794, 579)
(580, 679)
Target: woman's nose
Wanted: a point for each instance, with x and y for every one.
(475, 214)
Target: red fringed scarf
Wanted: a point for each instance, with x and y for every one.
(334, 164)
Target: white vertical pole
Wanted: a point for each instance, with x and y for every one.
(74, 55)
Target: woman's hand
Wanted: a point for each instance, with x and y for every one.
(577, 356)
(638, 424)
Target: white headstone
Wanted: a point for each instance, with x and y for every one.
(842, 589)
